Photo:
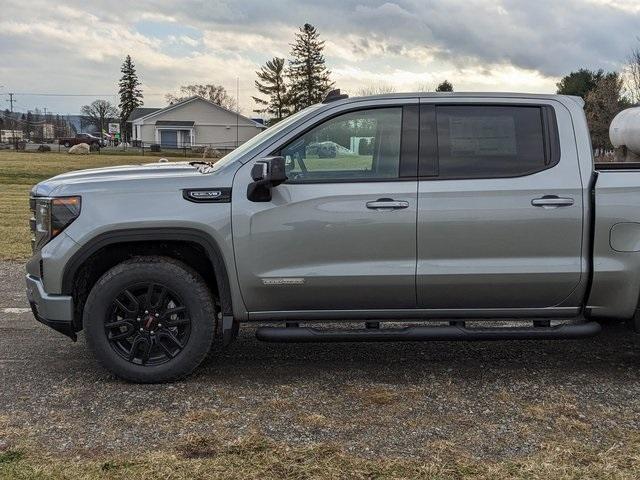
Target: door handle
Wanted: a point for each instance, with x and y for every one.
(387, 204)
(552, 201)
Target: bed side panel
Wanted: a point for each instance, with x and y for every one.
(616, 259)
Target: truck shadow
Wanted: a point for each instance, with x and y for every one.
(614, 350)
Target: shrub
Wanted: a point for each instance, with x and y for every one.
(44, 148)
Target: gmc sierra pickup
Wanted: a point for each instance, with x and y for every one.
(443, 209)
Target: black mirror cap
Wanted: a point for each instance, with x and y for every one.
(277, 171)
(259, 171)
(266, 173)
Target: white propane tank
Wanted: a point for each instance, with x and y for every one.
(625, 130)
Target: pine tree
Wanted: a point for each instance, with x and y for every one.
(445, 86)
(308, 74)
(130, 93)
(271, 83)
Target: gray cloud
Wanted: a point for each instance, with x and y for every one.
(79, 44)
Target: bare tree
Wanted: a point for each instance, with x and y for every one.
(214, 93)
(632, 73)
(601, 105)
(98, 113)
(375, 89)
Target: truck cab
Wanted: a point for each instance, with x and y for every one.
(441, 209)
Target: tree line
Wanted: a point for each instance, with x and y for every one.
(605, 94)
(286, 86)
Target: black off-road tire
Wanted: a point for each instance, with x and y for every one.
(182, 280)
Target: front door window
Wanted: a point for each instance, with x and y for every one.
(362, 145)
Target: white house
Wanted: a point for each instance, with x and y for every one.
(193, 121)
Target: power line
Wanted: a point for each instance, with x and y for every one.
(49, 94)
(66, 94)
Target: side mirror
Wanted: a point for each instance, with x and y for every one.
(267, 173)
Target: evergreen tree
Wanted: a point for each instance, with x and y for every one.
(130, 93)
(579, 83)
(271, 83)
(308, 74)
(445, 86)
(27, 121)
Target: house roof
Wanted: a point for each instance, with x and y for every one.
(141, 112)
(157, 111)
(176, 123)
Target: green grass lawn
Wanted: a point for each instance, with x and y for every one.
(19, 171)
(256, 457)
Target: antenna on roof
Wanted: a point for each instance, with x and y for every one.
(334, 95)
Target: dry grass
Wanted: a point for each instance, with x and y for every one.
(256, 457)
(19, 171)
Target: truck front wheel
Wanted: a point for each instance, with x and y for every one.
(150, 320)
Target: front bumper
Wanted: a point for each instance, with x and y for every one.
(55, 311)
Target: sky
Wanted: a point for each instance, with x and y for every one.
(75, 47)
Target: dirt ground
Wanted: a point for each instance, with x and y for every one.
(492, 402)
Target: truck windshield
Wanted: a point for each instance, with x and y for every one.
(262, 136)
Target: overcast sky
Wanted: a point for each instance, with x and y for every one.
(77, 46)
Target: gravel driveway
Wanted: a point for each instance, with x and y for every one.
(492, 400)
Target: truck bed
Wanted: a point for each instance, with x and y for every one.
(617, 165)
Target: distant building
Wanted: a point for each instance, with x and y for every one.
(193, 121)
(10, 135)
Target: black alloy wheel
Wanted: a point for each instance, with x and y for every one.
(148, 324)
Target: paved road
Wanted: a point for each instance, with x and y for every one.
(492, 400)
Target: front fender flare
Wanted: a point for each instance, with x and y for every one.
(199, 237)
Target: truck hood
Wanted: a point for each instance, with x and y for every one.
(144, 173)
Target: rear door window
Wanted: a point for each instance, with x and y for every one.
(479, 141)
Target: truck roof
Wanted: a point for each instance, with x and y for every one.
(546, 96)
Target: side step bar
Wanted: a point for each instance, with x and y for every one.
(421, 334)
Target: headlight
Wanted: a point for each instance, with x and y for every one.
(50, 217)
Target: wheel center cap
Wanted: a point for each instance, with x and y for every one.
(149, 321)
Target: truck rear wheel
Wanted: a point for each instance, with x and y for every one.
(150, 320)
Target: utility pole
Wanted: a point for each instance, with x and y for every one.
(11, 102)
(237, 111)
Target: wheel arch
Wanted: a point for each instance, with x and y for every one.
(175, 242)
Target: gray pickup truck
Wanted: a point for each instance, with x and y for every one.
(440, 211)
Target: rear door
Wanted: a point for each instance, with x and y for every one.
(340, 234)
(500, 206)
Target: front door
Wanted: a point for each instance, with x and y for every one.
(169, 138)
(340, 234)
(500, 207)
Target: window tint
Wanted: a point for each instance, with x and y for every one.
(358, 145)
(490, 141)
